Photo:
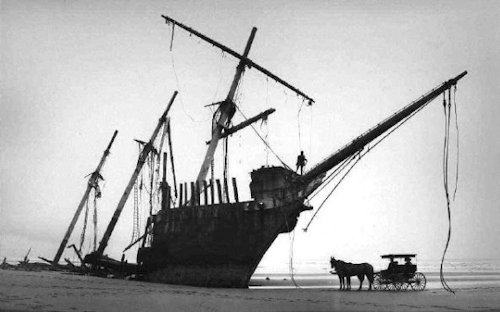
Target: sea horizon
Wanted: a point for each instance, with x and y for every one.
(322, 266)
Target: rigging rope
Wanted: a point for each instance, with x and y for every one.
(298, 124)
(265, 123)
(291, 269)
(223, 56)
(225, 169)
(310, 128)
(180, 93)
(264, 141)
(135, 213)
(334, 188)
(82, 236)
(291, 237)
(172, 38)
(332, 176)
(137, 201)
(96, 195)
(457, 136)
(446, 145)
(151, 164)
(346, 162)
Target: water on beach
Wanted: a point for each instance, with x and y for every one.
(459, 273)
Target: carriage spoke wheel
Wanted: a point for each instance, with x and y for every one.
(377, 282)
(397, 286)
(390, 286)
(419, 281)
(404, 286)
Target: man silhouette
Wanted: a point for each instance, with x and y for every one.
(301, 162)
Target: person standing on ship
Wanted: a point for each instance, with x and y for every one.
(301, 162)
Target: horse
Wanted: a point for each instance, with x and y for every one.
(347, 269)
(338, 270)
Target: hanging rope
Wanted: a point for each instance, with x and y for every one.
(458, 145)
(310, 128)
(298, 124)
(137, 201)
(172, 61)
(265, 123)
(446, 145)
(96, 195)
(82, 236)
(172, 38)
(291, 237)
(135, 216)
(225, 169)
(265, 128)
(291, 267)
(223, 56)
(151, 164)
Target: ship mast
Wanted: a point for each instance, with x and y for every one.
(227, 107)
(92, 183)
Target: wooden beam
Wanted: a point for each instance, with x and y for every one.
(235, 190)
(181, 189)
(242, 58)
(219, 191)
(205, 191)
(226, 190)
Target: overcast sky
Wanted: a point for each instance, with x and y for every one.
(74, 71)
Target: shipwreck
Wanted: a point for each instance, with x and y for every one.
(202, 236)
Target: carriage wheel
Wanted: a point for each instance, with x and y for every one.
(404, 286)
(397, 286)
(377, 282)
(419, 281)
(390, 286)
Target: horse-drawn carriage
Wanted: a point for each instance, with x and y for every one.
(399, 276)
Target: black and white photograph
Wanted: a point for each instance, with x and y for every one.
(230, 155)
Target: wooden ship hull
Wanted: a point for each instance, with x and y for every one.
(221, 244)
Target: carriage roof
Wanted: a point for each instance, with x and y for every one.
(389, 256)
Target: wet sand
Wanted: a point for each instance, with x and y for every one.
(57, 291)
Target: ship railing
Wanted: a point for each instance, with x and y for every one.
(207, 193)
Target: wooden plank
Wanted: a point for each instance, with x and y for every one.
(181, 198)
(219, 190)
(197, 193)
(235, 190)
(205, 189)
(226, 191)
(212, 192)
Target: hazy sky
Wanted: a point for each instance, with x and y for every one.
(73, 71)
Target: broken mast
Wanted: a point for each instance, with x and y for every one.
(92, 183)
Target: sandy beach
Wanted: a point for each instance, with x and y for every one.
(58, 291)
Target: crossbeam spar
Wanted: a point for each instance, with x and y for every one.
(235, 54)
